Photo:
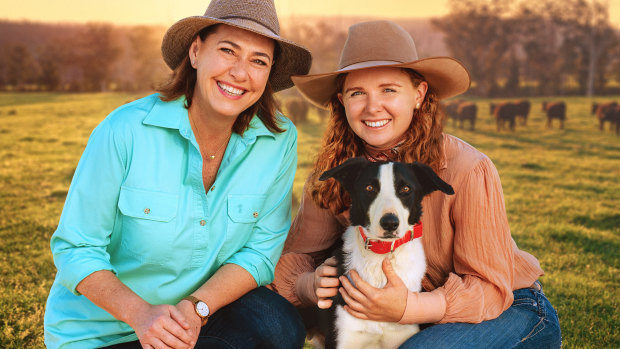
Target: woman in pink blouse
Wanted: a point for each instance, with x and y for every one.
(480, 289)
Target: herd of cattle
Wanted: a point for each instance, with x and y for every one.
(506, 114)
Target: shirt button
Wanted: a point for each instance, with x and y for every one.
(203, 222)
(147, 210)
(212, 188)
(255, 214)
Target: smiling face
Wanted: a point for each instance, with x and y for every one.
(232, 68)
(379, 103)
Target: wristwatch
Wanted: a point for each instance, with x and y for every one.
(201, 308)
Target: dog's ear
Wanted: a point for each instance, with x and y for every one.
(346, 172)
(429, 180)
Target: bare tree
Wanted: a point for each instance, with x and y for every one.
(52, 59)
(20, 66)
(147, 65)
(541, 37)
(95, 53)
(479, 33)
(589, 31)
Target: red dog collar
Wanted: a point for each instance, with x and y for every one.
(384, 246)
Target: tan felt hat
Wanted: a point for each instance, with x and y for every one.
(385, 44)
(258, 16)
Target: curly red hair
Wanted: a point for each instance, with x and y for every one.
(424, 144)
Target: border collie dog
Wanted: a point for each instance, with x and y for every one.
(386, 205)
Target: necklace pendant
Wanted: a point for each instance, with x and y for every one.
(212, 157)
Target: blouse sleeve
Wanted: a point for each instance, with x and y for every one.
(481, 286)
(313, 232)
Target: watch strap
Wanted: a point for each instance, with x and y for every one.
(194, 300)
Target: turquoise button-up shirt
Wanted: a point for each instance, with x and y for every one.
(137, 206)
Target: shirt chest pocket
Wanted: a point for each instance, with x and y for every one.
(148, 224)
(245, 210)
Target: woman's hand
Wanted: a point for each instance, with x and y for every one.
(326, 282)
(162, 326)
(379, 304)
(189, 313)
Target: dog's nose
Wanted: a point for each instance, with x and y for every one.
(389, 222)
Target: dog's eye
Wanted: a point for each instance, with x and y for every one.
(370, 188)
(405, 190)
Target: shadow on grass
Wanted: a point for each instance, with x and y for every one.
(584, 188)
(532, 166)
(58, 195)
(604, 222)
(606, 249)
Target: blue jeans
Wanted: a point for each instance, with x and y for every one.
(259, 319)
(530, 322)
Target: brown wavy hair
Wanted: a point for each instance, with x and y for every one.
(424, 144)
(182, 82)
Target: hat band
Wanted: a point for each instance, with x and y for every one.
(368, 64)
(250, 23)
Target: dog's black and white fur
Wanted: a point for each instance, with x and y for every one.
(386, 200)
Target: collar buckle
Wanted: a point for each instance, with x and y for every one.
(368, 243)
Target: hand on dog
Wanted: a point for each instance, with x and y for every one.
(385, 304)
(326, 282)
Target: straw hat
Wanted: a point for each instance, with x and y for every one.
(258, 16)
(384, 44)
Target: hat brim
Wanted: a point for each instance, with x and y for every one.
(447, 76)
(293, 59)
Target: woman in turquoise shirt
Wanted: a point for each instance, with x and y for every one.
(180, 204)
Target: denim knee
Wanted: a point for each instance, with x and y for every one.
(547, 334)
(280, 325)
(260, 319)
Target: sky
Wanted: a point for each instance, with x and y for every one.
(166, 12)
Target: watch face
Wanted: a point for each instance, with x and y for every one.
(202, 308)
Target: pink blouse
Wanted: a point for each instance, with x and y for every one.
(472, 259)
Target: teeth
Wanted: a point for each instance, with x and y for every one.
(230, 89)
(376, 123)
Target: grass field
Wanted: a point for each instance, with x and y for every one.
(561, 188)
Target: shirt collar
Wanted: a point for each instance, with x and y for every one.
(255, 129)
(168, 114)
(174, 115)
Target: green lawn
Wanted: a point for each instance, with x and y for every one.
(561, 188)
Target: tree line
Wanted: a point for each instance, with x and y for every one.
(71, 57)
(546, 47)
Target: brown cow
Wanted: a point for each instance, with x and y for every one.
(451, 109)
(504, 112)
(467, 111)
(606, 112)
(523, 110)
(555, 110)
(617, 120)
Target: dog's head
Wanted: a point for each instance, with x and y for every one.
(386, 197)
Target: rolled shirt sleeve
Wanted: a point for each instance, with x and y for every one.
(79, 243)
(262, 250)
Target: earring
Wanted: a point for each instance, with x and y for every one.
(193, 63)
(418, 105)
